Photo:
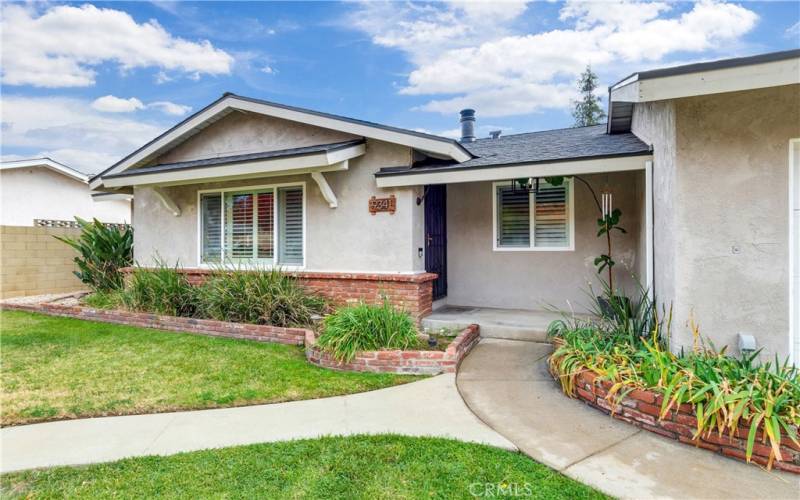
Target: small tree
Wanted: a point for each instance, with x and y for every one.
(103, 251)
(587, 110)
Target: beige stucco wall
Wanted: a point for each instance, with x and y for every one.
(726, 215)
(40, 193)
(479, 276)
(240, 133)
(346, 238)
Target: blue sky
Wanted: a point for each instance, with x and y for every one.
(86, 83)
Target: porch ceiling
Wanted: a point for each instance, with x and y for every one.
(462, 173)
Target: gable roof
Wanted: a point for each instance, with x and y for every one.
(48, 163)
(546, 146)
(229, 102)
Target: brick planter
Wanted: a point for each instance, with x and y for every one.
(410, 292)
(642, 409)
(397, 361)
(261, 333)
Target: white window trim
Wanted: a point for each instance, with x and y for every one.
(257, 264)
(532, 247)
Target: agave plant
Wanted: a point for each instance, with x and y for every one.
(103, 251)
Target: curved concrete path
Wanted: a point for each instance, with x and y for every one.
(507, 385)
(430, 407)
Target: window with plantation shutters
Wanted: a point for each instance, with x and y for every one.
(263, 226)
(533, 220)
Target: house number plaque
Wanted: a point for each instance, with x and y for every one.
(382, 205)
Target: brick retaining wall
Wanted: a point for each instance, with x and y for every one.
(412, 293)
(397, 361)
(642, 409)
(261, 333)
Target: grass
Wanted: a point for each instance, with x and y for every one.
(58, 368)
(368, 467)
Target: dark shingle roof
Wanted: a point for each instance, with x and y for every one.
(264, 155)
(580, 143)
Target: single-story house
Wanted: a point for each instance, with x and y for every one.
(41, 191)
(701, 159)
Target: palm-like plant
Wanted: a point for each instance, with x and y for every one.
(103, 251)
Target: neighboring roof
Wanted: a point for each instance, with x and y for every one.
(712, 65)
(547, 146)
(226, 160)
(229, 102)
(46, 163)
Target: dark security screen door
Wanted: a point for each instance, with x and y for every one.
(436, 237)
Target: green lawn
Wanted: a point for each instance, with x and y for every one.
(366, 467)
(55, 368)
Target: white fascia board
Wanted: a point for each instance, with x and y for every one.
(478, 174)
(446, 148)
(251, 169)
(98, 197)
(46, 163)
(756, 76)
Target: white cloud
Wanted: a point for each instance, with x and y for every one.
(112, 104)
(793, 31)
(170, 108)
(269, 70)
(62, 46)
(70, 130)
(470, 55)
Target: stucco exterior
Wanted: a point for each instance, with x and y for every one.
(722, 213)
(343, 239)
(40, 193)
(480, 276)
(240, 133)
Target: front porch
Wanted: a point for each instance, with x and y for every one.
(510, 324)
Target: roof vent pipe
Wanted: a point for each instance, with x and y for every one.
(467, 125)
(494, 134)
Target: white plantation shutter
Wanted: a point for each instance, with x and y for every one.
(513, 217)
(530, 220)
(211, 227)
(239, 217)
(290, 206)
(265, 225)
(551, 216)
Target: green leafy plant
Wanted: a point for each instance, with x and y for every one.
(260, 296)
(103, 251)
(726, 393)
(365, 327)
(160, 290)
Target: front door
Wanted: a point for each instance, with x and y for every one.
(436, 237)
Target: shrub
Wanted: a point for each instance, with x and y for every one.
(104, 299)
(725, 392)
(163, 290)
(366, 327)
(103, 251)
(267, 297)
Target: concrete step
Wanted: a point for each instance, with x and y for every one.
(511, 324)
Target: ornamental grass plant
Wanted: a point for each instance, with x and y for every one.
(630, 350)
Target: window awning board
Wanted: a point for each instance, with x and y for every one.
(318, 158)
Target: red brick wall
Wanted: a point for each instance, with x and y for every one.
(643, 408)
(261, 333)
(397, 361)
(410, 292)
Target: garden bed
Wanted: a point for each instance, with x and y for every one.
(260, 333)
(416, 362)
(642, 408)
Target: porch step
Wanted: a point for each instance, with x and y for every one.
(510, 324)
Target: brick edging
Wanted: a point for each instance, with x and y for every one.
(397, 361)
(642, 408)
(213, 328)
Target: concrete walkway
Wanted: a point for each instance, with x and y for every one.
(430, 407)
(507, 385)
(512, 324)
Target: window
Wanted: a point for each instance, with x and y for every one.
(243, 226)
(533, 221)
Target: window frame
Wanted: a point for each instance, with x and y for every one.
(251, 263)
(532, 207)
